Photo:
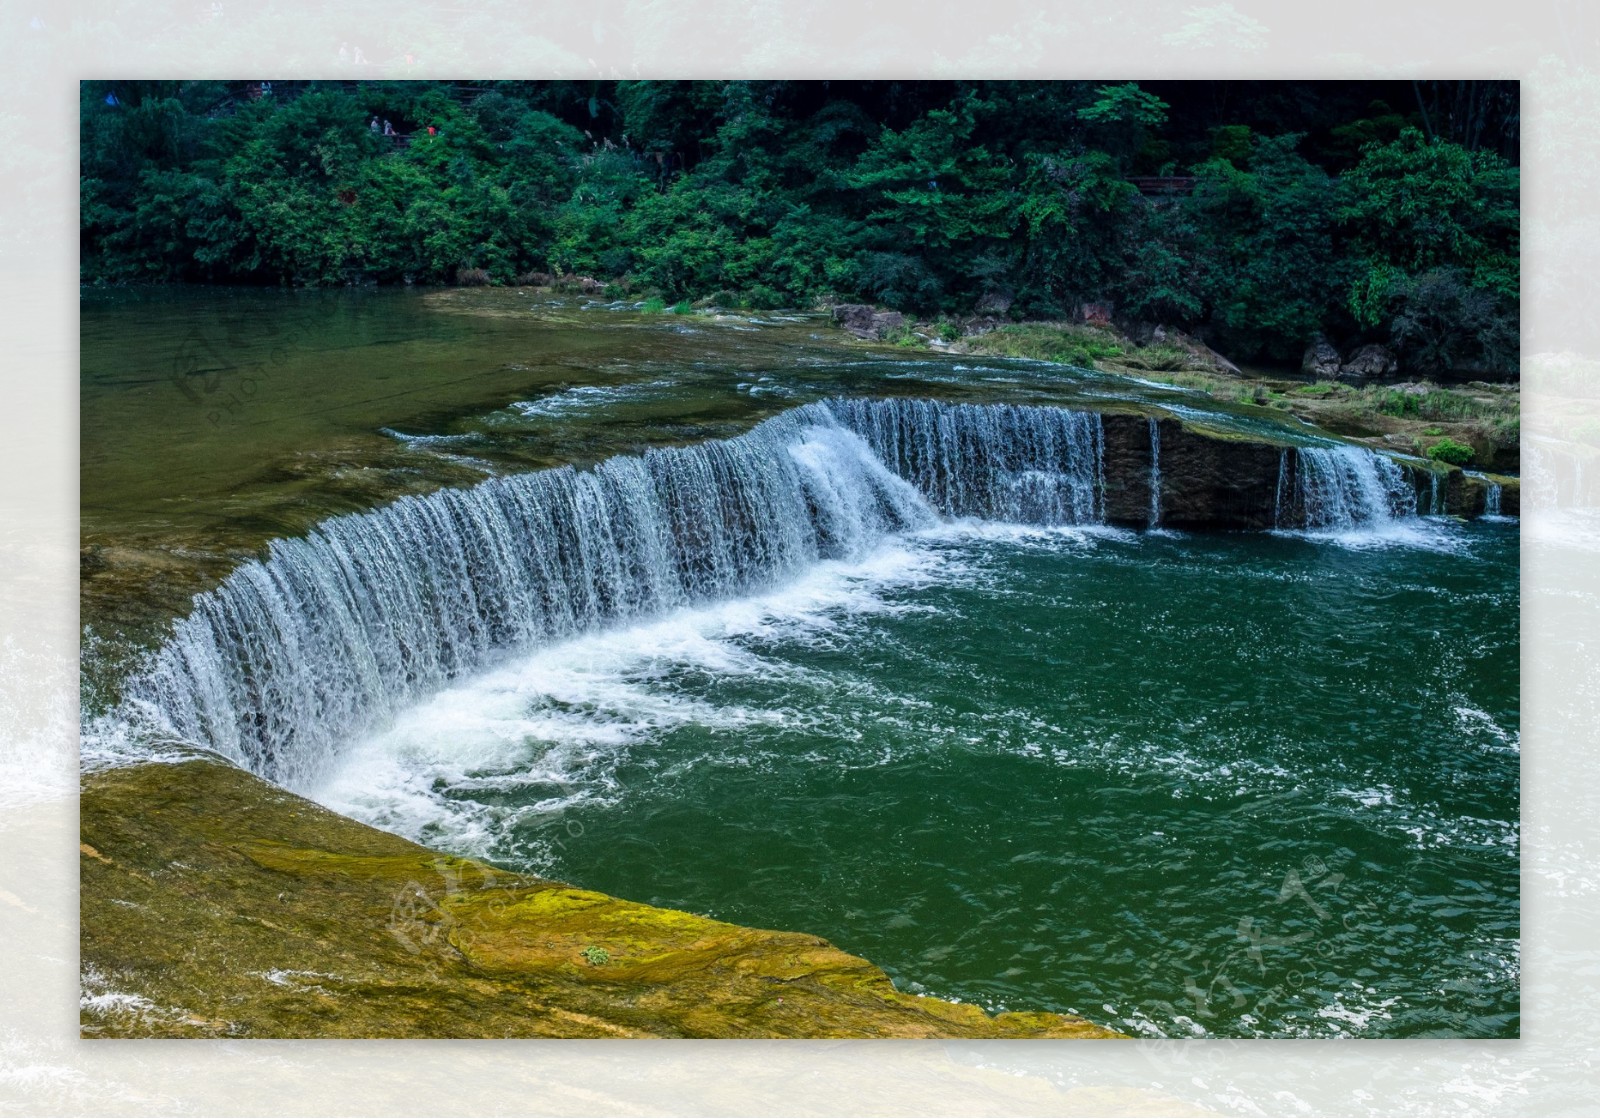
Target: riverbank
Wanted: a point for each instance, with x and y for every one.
(214, 904)
(1475, 423)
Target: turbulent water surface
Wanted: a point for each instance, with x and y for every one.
(878, 670)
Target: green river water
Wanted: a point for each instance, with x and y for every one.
(1184, 785)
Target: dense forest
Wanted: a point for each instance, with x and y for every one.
(1255, 214)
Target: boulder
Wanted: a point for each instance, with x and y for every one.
(1201, 356)
(1371, 362)
(1096, 312)
(994, 303)
(885, 321)
(1321, 360)
(854, 317)
(865, 322)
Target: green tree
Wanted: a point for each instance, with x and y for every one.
(1265, 241)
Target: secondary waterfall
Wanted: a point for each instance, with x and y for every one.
(1340, 489)
(1003, 462)
(1491, 500)
(296, 652)
(1155, 472)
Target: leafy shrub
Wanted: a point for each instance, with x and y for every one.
(472, 277)
(1442, 323)
(1451, 451)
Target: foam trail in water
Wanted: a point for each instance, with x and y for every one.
(548, 729)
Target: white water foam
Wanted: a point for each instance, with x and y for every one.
(553, 726)
(585, 398)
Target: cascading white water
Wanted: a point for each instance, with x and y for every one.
(1341, 489)
(1492, 491)
(1003, 462)
(1433, 495)
(295, 653)
(1155, 472)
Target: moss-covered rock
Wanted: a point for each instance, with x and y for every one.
(217, 905)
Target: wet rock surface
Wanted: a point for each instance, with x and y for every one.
(217, 905)
(1214, 480)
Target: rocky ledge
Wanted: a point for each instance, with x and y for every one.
(1215, 479)
(216, 905)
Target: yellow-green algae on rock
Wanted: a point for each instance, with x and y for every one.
(214, 904)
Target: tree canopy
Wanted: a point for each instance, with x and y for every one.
(1254, 213)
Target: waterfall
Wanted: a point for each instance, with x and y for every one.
(1341, 489)
(1278, 520)
(1491, 500)
(1433, 494)
(1155, 472)
(295, 653)
(1002, 462)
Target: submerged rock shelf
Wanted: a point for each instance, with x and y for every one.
(217, 905)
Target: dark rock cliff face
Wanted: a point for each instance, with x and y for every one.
(1215, 481)
(1207, 481)
(1468, 495)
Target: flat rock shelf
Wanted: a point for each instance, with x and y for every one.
(217, 905)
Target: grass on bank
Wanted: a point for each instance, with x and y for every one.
(1474, 423)
(1063, 344)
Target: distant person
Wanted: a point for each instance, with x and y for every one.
(375, 126)
(388, 129)
(432, 131)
